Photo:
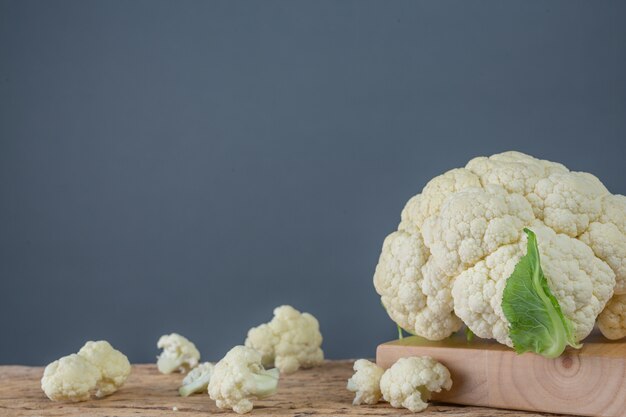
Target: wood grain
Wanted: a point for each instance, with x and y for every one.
(147, 393)
(590, 381)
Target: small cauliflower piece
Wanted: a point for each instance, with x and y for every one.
(113, 365)
(410, 382)
(197, 380)
(96, 370)
(290, 341)
(366, 382)
(612, 321)
(240, 378)
(179, 354)
(70, 378)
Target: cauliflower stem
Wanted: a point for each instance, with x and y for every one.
(197, 380)
(195, 386)
(266, 382)
(537, 322)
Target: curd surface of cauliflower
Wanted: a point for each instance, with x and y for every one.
(239, 378)
(291, 340)
(113, 365)
(179, 354)
(410, 381)
(96, 370)
(70, 378)
(612, 321)
(459, 240)
(365, 382)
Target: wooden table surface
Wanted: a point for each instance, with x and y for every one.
(319, 391)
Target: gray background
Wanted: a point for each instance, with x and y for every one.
(187, 166)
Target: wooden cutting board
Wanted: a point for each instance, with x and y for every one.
(589, 382)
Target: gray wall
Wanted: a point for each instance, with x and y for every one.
(187, 166)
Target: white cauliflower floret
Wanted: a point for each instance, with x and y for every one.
(518, 173)
(410, 382)
(197, 380)
(609, 244)
(567, 202)
(477, 294)
(399, 281)
(113, 365)
(607, 237)
(239, 378)
(291, 340)
(450, 236)
(70, 378)
(614, 211)
(366, 382)
(429, 202)
(97, 370)
(612, 321)
(474, 223)
(179, 353)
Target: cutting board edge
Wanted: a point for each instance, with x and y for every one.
(483, 376)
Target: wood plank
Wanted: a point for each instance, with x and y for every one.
(147, 393)
(590, 381)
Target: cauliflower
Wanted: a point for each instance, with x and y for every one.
(96, 370)
(410, 382)
(366, 382)
(459, 240)
(197, 380)
(239, 378)
(70, 378)
(612, 321)
(113, 365)
(291, 340)
(179, 353)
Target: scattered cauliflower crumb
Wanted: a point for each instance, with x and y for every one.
(97, 370)
(366, 382)
(291, 340)
(239, 378)
(410, 382)
(179, 353)
(197, 380)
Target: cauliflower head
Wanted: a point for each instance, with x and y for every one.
(197, 380)
(365, 382)
(179, 354)
(410, 381)
(459, 240)
(96, 370)
(290, 341)
(239, 378)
